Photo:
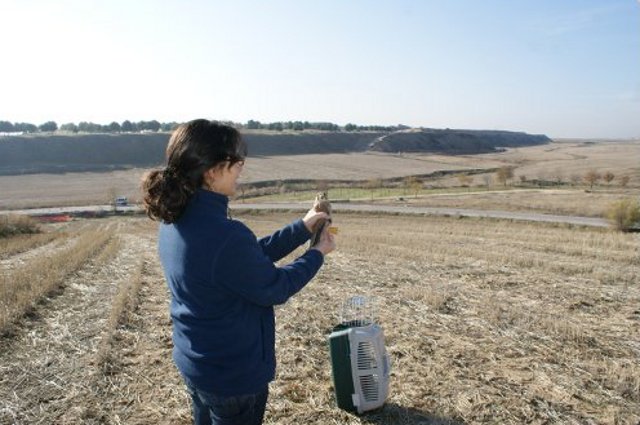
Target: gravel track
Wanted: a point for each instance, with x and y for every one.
(403, 209)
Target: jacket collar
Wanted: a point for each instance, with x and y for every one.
(210, 202)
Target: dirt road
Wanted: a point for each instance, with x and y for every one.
(355, 207)
(407, 209)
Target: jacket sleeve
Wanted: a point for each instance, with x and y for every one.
(243, 268)
(282, 242)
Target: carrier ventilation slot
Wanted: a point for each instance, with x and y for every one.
(369, 386)
(366, 356)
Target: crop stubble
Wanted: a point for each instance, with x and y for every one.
(486, 321)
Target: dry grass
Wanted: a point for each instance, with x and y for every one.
(48, 363)
(550, 201)
(486, 322)
(21, 288)
(22, 243)
(574, 158)
(568, 201)
(45, 190)
(122, 311)
(625, 214)
(12, 224)
(352, 166)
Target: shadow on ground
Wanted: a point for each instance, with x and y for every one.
(393, 414)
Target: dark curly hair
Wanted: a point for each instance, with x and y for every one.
(194, 148)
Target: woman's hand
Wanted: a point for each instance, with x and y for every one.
(327, 243)
(312, 218)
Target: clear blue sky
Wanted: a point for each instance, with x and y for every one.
(568, 68)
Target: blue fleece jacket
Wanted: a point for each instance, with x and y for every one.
(224, 285)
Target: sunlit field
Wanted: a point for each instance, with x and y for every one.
(559, 166)
(480, 159)
(486, 322)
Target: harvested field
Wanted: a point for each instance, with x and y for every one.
(353, 166)
(550, 201)
(568, 202)
(486, 321)
(571, 159)
(36, 190)
(45, 190)
(565, 161)
(23, 243)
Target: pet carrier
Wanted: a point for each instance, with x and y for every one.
(359, 361)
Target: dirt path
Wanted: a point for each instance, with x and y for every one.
(362, 207)
(49, 361)
(411, 210)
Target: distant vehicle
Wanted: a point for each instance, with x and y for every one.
(122, 201)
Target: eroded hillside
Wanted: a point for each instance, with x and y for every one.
(105, 152)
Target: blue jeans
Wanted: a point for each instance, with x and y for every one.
(211, 409)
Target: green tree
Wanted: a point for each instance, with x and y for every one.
(350, 127)
(127, 126)
(89, 127)
(169, 126)
(153, 125)
(49, 126)
(70, 127)
(325, 126)
(275, 126)
(25, 127)
(114, 127)
(6, 127)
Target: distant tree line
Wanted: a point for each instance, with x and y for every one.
(323, 126)
(87, 127)
(154, 126)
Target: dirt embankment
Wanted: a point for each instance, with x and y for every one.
(455, 142)
(105, 152)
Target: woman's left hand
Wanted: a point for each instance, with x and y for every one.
(312, 218)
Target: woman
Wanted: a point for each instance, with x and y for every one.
(222, 279)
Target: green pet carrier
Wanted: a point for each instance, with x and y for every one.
(359, 360)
